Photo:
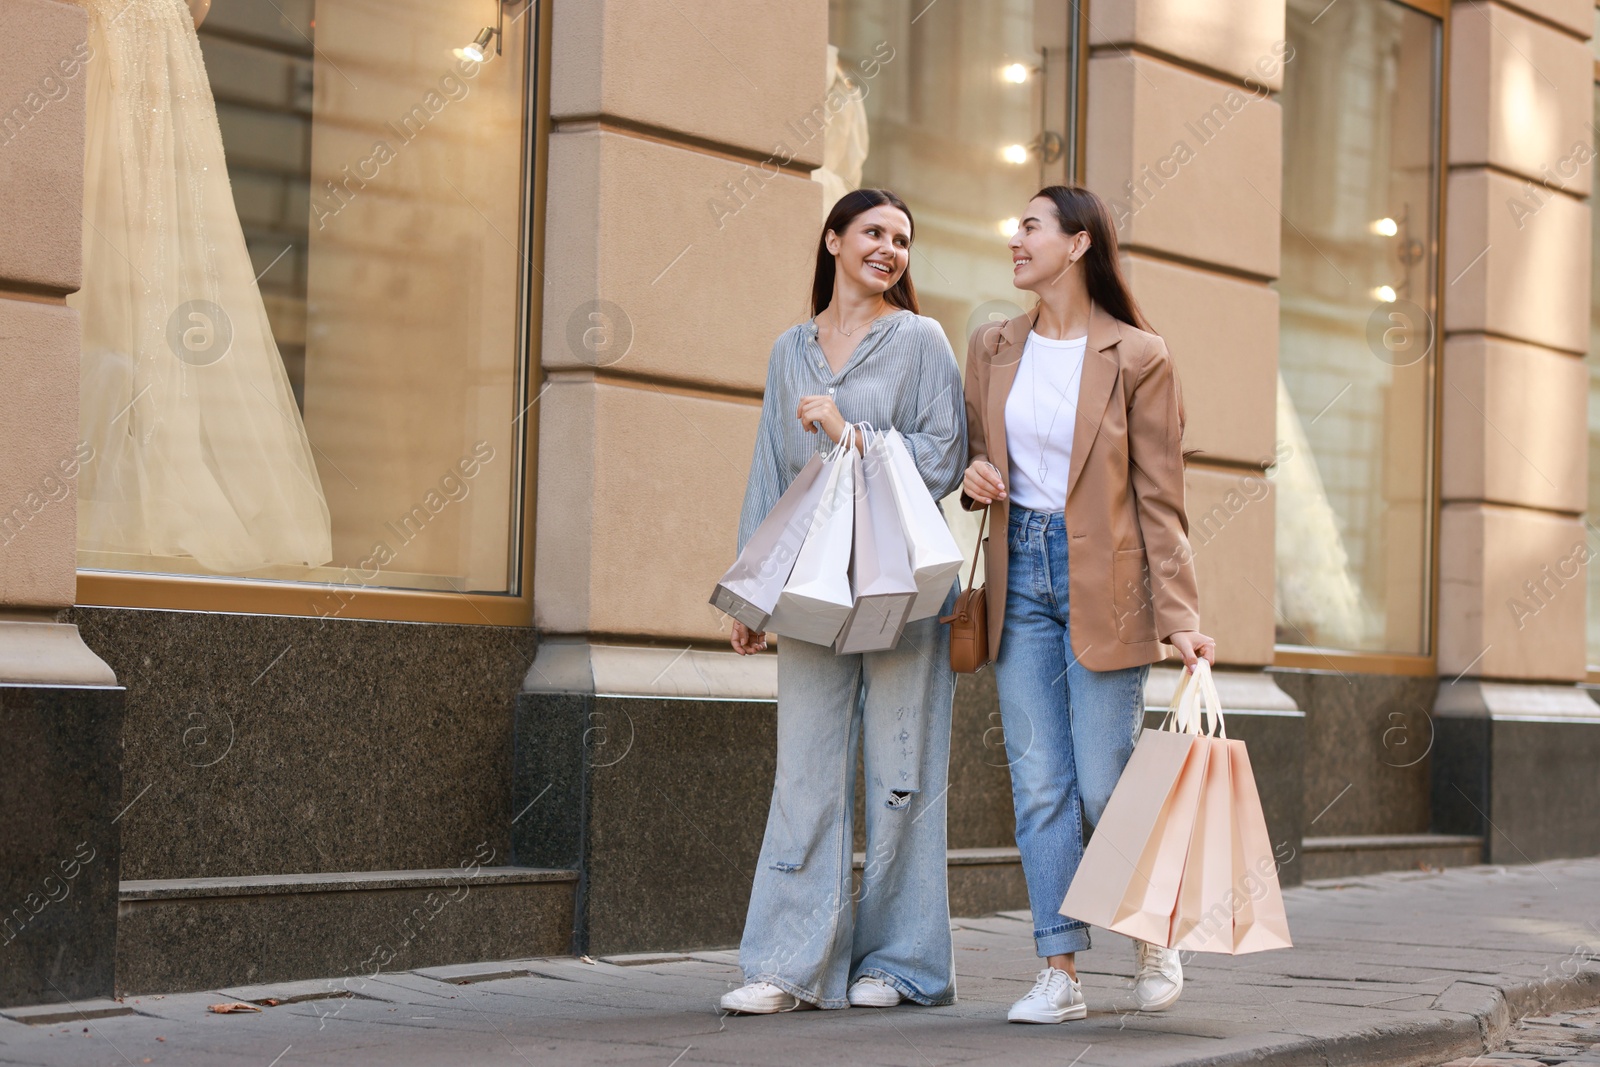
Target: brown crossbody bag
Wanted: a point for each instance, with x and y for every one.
(969, 623)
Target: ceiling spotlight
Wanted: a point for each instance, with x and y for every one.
(479, 46)
(1385, 227)
(1015, 73)
(1384, 293)
(1008, 226)
(1014, 153)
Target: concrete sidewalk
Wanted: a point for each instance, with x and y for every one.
(1413, 968)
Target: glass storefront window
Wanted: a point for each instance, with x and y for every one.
(969, 116)
(304, 348)
(1357, 336)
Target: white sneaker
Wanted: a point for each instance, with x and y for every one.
(762, 998)
(872, 992)
(1159, 979)
(1054, 998)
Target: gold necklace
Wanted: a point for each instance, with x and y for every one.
(838, 320)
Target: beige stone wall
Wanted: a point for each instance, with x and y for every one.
(41, 193)
(1200, 233)
(680, 213)
(1514, 444)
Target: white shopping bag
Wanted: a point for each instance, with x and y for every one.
(880, 568)
(935, 559)
(816, 599)
(750, 589)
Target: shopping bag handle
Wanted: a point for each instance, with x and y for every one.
(1194, 699)
(845, 443)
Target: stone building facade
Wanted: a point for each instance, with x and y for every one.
(523, 307)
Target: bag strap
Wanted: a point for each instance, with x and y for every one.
(973, 571)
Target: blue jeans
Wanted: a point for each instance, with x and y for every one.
(1069, 730)
(799, 933)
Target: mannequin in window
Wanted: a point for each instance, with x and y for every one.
(199, 452)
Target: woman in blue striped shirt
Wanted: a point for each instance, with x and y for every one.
(864, 356)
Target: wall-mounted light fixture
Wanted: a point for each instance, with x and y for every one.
(478, 50)
(1046, 146)
(480, 45)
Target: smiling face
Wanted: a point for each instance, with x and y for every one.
(1040, 252)
(874, 250)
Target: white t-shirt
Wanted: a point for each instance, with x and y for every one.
(1041, 412)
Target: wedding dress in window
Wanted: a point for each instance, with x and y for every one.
(198, 447)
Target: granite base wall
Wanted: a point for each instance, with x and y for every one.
(661, 804)
(271, 745)
(61, 792)
(1369, 748)
(167, 946)
(1532, 789)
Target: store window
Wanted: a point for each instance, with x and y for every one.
(1357, 326)
(303, 352)
(967, 108)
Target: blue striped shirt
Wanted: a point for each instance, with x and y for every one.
(902, 375)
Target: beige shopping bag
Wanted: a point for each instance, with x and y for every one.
(1129, 876)
(1259, 919)
(1203, 919)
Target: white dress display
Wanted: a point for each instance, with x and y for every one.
(1317, 594)
(198, 447)
(844, 138)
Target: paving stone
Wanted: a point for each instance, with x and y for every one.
(1388, 969)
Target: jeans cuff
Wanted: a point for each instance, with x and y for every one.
(907, 990)
(1059, 940)
(798, 991)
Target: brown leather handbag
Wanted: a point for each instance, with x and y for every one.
(969, 624)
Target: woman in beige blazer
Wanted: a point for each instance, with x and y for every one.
(1075, 434)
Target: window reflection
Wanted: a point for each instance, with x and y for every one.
(1356, 313)
(966, 122)
(378, 181)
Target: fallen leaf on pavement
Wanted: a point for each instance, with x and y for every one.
(237, 1005)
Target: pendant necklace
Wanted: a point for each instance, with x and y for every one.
(1040, 438)
(838, 322)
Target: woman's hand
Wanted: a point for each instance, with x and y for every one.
(815, 410)
(1191, 644)
(747, 642)
(982, 482)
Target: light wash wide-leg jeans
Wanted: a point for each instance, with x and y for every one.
(805, 931)
(1069, 730)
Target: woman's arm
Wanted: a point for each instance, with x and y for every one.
(1155, 459)
(981, 474)
(765, 485)
(938, 441)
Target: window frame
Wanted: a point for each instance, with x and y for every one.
(170, 592)
(1591, 670)
(1423, 664)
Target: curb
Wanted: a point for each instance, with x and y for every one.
(1468, 1019)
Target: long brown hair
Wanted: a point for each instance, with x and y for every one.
(1079, 209)
(902, 294)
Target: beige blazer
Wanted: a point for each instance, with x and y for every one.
(1131, 574)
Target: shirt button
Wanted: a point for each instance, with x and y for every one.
(830, 388)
